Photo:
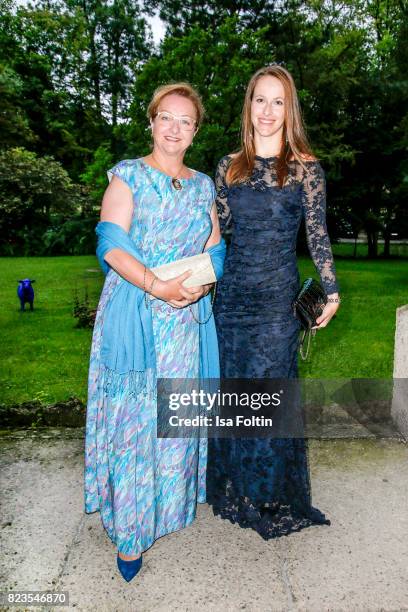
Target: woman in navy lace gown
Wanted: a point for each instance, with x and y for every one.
(263, 192)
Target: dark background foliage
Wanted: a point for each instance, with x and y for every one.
(76, 77)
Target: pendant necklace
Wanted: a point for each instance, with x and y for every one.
(174, 180)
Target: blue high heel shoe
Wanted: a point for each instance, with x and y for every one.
(129, 569)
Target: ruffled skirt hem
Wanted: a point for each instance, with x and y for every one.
(270, 520)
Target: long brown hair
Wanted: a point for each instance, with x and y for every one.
(294, 141)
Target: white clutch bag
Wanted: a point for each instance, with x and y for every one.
(201, 266)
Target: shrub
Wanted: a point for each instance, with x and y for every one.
(82, 311)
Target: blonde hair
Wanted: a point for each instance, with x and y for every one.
(180, 89)
(294, 141)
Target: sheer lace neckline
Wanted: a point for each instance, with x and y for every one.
(291, 161)
(266, 158)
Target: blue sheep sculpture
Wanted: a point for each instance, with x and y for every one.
(25, 293)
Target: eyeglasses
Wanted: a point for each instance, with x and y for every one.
(166, 118)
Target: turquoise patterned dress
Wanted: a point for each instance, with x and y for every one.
(146, 487)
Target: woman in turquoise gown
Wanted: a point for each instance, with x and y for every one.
(145, 487)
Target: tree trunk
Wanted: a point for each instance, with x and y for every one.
(94, 62)
(387, 241)
(372, 240)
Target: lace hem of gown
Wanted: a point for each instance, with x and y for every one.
(270, 521)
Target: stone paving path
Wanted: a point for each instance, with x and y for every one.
(358, 563)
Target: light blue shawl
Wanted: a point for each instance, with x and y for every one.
(127, 349)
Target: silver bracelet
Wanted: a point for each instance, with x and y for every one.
(146, 291)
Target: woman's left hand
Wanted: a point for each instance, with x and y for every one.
(328, 312)
(191, 295)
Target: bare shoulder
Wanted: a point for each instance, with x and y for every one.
(118, 191)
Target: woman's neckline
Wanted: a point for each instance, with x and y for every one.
(307, 161)
(190, 178)
(266, 158)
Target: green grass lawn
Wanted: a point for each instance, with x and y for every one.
(346, 249)
(45, 357)
(359, 342)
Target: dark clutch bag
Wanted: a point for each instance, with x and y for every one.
(307, 307)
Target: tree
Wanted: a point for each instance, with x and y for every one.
(183, 16)
(117, 40)
(73, 61)
(14, 125)
(80, 73)
(31, 190)
(95, 174)
(218, 63)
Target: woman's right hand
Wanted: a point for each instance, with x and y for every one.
(170, 290)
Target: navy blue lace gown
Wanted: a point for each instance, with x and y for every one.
(264, 483)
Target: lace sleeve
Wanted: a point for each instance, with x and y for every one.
(314, 210)
(224, 212)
